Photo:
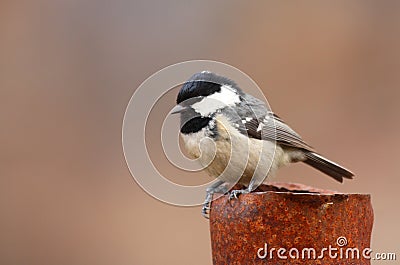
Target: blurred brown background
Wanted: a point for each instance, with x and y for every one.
(68, 69)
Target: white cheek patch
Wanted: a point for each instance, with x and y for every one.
(210, 104)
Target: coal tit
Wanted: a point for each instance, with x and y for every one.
(246, 143)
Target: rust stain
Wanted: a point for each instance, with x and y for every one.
(292, 217)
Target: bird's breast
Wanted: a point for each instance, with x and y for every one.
(232, 155)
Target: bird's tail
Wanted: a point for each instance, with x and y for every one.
(328, 167)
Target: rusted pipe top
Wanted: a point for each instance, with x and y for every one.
(291, 217)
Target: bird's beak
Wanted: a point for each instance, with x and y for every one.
(178, 109)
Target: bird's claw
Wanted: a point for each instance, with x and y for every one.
(234, 194)
(205, 210)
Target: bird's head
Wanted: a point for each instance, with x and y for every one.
(202, 96)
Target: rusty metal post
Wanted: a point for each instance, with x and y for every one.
(291, 224)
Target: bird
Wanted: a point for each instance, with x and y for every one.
(237, 138)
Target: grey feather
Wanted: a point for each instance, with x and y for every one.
(272, 128)
(328, 167)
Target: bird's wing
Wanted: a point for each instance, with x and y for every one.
(274, 129)
(257, 121)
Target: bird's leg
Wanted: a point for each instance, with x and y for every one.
(217, 187)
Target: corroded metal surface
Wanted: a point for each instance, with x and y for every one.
(286, 223)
